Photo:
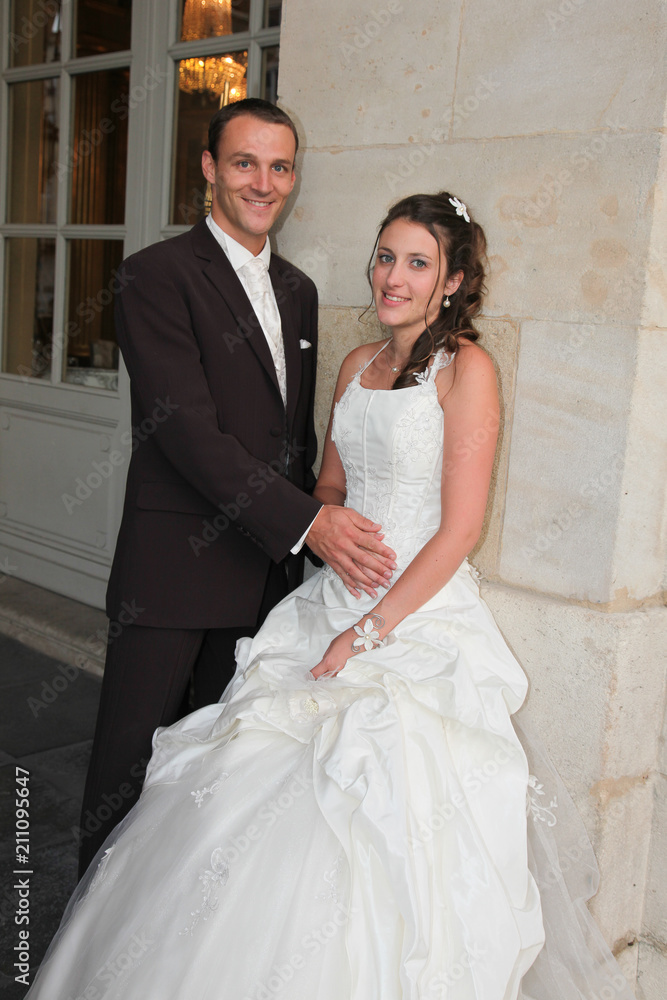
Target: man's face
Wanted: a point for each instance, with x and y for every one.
(252, 178)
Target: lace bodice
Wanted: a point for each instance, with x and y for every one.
(390, 443)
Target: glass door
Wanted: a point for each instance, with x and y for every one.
(103, 116)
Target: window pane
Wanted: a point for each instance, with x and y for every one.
(34, 33)
(97, 156)
(272, 13)
(91, 357)
(28, 319)
(102, 27)
(270, 74)
(204, 85)
(213, 18)
(33, 147)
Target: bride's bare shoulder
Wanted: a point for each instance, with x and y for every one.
(473, 359)
(358, 357)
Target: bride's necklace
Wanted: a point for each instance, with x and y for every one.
(394, 368)
(397, 368)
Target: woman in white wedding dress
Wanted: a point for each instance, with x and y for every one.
(349, 822)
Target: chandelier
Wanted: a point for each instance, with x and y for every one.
(217, 76)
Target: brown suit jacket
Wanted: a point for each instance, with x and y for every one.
(216, 482)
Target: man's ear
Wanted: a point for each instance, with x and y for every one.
(208, 166)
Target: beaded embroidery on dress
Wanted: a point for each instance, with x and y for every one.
(360, 837)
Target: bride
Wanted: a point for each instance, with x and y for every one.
(349, 822)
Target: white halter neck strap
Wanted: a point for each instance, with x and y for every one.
(440, 360)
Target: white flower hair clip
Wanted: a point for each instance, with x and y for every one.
(460, 208)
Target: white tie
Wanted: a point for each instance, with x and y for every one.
(263, 302)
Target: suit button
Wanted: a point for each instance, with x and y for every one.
(276, 431)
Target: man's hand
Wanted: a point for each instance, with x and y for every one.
(352, 545)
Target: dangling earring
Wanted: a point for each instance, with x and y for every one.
(446, 303)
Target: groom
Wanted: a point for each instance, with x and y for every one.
(221, 356)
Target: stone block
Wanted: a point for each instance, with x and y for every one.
(589, 684)
(655, 911)
(640, 553)
(390, 69)
(501, 340)
(560, 66)
(573, 396)
(655, 303)
(564, 216)
(340, 331)
(651, 972)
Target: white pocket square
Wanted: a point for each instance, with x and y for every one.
(303, 344)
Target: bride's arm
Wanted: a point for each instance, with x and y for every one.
(471, 420)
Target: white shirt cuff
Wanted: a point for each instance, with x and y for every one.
(299, 545)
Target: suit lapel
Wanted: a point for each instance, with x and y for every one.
(221, 274)
(290, 330)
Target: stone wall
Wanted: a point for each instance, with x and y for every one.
(547, 120)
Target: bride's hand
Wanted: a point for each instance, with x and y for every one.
(337, 655)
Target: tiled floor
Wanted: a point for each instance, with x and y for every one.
(48, 712)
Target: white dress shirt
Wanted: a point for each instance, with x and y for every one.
(269, 315)
(238, 255)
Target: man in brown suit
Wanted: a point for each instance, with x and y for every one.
(222, 371)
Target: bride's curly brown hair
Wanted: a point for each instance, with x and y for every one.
(464, 248)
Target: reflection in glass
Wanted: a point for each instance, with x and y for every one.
(272, 13)
(219, 76)
(33, 169)
(213, 18)
(28, 314)
(270, 74)
(102, 27)
(194, 111)
(97, 155)
(93, 281)
(34, 33)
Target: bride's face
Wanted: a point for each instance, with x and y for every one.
(407, 288)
